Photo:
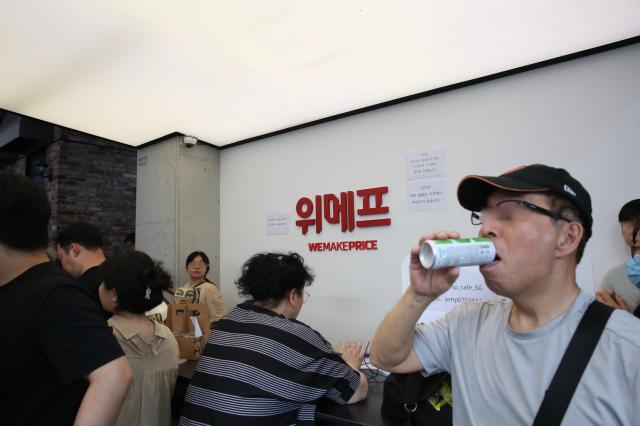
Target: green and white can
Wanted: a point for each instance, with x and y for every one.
(438, 254)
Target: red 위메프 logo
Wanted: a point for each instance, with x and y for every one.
(349, 209)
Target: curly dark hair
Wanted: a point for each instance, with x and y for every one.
(138, 280)
(267, 277)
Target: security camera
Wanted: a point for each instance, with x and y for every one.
(190, 141)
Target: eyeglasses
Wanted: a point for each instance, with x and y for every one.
(505, 210)
(306, 296)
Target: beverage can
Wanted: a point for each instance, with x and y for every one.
(438, 254)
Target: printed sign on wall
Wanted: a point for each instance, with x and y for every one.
(342, 210)
(362, 208)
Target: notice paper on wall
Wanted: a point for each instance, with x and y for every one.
(426, 194)
(469, 286)
(425, 180)
(278, 223)
(425, 163)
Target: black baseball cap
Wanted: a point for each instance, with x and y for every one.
(473, 190)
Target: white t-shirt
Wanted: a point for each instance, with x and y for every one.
(499, 377)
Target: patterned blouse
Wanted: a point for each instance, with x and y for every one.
(205, 292)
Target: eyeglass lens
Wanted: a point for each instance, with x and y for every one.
(502, 210)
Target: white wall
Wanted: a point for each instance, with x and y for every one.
(178, 205)
(582, 115)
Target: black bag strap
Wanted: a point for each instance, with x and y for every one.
(412, 392)
(201, 282)
(574, 361)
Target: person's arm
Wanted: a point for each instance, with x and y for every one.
(611, 298)
(212, 297)
(392, 346)
(607, 293)
(108, 387)
(361, 392)
(352, 354)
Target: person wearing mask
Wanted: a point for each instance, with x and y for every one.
(503, 354)
(620, 287)
(132, 283)
(262, 366)
(59, 362)
(199, 289)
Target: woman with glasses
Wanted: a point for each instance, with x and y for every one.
(263, 366)
(621, 285)
(199, 289)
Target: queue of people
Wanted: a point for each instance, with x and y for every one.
(61, 363)
(263, 366)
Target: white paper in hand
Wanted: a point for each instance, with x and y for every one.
(196, 327)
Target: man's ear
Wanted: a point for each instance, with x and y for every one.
(569, 239)
(74, 249)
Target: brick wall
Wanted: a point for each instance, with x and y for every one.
(91, 180)
(96, 183)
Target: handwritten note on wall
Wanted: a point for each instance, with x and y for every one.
(426, 194)
(426, 163)
(425, 183)
(278, 223)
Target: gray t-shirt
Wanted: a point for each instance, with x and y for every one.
(617, 280)
(499, 376)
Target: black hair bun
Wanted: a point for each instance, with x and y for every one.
(138, 280)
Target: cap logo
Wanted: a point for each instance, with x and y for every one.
(568, 189)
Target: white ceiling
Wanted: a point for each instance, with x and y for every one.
(134, 71)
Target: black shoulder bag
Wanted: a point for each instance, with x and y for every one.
(574, 361)
(417, 400)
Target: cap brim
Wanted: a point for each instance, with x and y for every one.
(473, 191)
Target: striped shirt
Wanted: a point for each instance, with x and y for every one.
(261, 368)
